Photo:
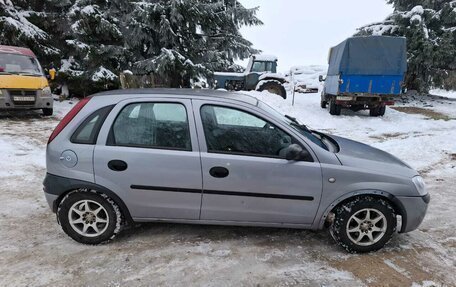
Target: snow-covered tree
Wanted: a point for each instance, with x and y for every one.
(430, 28)
(92, 41)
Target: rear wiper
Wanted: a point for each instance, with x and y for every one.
(295, 122)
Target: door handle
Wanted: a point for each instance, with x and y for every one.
(117, 165)
(219, 171)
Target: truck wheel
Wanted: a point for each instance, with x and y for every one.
(381, 111)
(334, 109)
(374, 112)
(274, 87)
(364, 224)
(48, 111)
(323, 104)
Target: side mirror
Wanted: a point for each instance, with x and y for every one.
(295, 152)
(320, 78)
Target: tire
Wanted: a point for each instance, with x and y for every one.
(334, 109)
(323, 104)
(48, 112)
(375, 230)
(80, 205)
(381, 111)
(377, 111)
(274, 87)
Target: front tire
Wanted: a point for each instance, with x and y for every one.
(48, 112)
(89, 217)
(364, 224)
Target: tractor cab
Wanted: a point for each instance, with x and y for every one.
(262, 64)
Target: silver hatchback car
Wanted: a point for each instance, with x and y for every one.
(211, 157)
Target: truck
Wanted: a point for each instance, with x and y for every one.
(23, 84)
(260, 75)
(364, 73)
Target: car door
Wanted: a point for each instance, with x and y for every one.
(147, 152)
(245, 175)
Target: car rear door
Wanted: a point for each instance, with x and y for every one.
(147, 153)
(245, 176)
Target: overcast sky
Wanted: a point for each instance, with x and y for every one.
(300, 32)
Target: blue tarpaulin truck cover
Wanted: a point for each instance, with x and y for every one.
(372, 55)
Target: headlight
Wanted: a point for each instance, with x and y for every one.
(419, 184)
(46, 92)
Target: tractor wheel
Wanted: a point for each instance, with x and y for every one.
(274, 87)
(334, 109)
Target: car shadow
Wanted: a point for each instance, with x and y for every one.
(21, 115)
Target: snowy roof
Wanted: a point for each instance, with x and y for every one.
(16, 50)
(268, 58)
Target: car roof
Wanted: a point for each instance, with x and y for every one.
(179, 93)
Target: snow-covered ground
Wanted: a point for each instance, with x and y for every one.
(35, 252)
(443, 93)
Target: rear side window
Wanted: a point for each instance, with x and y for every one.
(87, 132)
(152, 125)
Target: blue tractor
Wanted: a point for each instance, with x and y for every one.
(260, 75)
(365, 73)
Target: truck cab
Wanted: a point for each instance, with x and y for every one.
(23, 84)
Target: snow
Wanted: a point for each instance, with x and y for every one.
(35, 251)
(103, 74)
(443, 93)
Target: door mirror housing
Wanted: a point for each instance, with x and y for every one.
(320, 78)
(296, 152)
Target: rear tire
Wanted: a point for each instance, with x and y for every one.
(364, 224)
(48, 112)
(381, 111)
(377, 111)
(274, 87)
(334, 109)
(89, 217)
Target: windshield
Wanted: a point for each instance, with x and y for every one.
(19, 65)
(293, 122)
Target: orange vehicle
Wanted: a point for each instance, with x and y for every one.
(23, 84)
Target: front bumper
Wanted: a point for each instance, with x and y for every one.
(415, 209)
(36, 101)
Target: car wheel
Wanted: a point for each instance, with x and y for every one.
(89, 217)
(48, 111)
(334, 109)
(364, 224)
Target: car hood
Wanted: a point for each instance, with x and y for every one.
(359, 155)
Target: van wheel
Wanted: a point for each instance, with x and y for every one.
(89, 217)
(363, 225)
(48, 112)
(334, 109)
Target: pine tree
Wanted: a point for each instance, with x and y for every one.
(92, 41)
(430, 28)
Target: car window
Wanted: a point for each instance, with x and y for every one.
(87, 132)
(230, 130)
(152, 125)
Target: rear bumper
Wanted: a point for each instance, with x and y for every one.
(364, 100)
(415, 210)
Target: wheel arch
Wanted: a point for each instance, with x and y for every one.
(395, 203)
(61, 186)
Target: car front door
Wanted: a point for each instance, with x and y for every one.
(147, 152)
(245, 175)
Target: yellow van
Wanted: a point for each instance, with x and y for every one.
(23, 84)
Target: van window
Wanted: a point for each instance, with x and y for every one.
(152, 125)
(19, 64)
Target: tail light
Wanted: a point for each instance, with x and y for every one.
(66, 119)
